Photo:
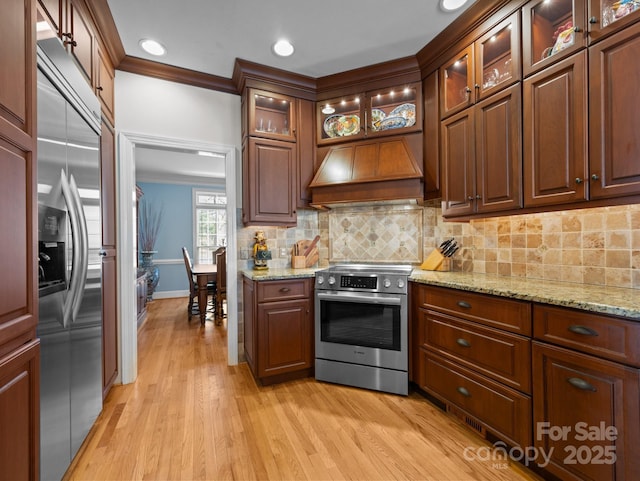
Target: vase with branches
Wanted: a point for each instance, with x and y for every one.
(149, 220)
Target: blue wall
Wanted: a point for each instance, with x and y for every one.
(176, 230)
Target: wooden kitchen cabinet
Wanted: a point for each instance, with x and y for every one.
(467, 354)
(105, 85)
(586, 376)
(271, 115)
(78, 37)
(386, 111)
(614, 149)
(555, 129)
(489, 65)
(19, 348)
(269, 182)
(482, 156)
(432, 167)
(551, 31)
(609, 16)
(109, 259)
(578, 392)
(278, 329)
(20, 413)
(278, 157)
(306, 152)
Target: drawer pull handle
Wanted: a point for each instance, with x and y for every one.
(581, 384)
(463, 342)
(582, 330)
(285, 289)
(464, 391)
(464, 304)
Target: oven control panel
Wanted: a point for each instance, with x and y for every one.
(387, 283)
(359, 282)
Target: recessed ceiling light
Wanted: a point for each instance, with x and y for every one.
(152, 47)
(451, 5)
(283, 48)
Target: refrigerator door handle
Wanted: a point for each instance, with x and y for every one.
(83, 243)
(75, 248)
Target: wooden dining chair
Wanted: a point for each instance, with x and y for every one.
(192, 308)
(221, 288)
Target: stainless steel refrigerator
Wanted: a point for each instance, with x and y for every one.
(69, 259)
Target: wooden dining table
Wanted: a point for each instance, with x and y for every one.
(204, 273)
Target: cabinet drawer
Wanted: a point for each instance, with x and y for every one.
(505, 412)
(501, 356)
(601, 335)
(508, 314)
(270, 291)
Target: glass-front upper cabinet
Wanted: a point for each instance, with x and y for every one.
(387, 111)
(497, 57)
(340, 118)
(551, 30)
(488, 65)
(606, 16)
(271, 115)
(456, 83)
(393, 111)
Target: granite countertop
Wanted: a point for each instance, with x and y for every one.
(279, 274)
(616, 301)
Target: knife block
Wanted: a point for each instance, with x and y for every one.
(436, 262)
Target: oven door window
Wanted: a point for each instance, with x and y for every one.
(355, 323)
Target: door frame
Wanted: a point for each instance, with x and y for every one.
(126, 242)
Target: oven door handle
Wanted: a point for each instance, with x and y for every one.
(356, 298)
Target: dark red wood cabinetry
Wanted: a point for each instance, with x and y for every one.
(473, 352)
(278, 157)
(278, 328)
(481, 156)
(555, 129)
(586, 378)
(19, 349)
(614, 114)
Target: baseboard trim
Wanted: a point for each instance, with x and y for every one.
(170, 294)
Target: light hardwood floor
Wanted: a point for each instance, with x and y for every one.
(190, 416)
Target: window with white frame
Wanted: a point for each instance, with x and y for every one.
(210, 221)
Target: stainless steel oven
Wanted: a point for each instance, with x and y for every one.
(361, 327)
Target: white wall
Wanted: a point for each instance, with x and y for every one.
(160, 108)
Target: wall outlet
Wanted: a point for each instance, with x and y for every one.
(283, 252)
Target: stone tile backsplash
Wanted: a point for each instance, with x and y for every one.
(593, 246)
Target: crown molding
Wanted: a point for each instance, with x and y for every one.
(163, 71)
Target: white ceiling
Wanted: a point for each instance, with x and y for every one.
(330, 36)
(168, 166)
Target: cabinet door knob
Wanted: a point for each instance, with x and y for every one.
(464, 304)
(593, 20)
(583, 330)
(470, 197)
(464, 391)
(102, 253)
(478, 196)
(73, 43)
(285, 289)
(581, 384)
(578, 180)
(463, 342)
(595, 177)
(577, 29)
(100, 88)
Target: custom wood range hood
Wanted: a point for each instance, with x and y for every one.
(368, 172)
